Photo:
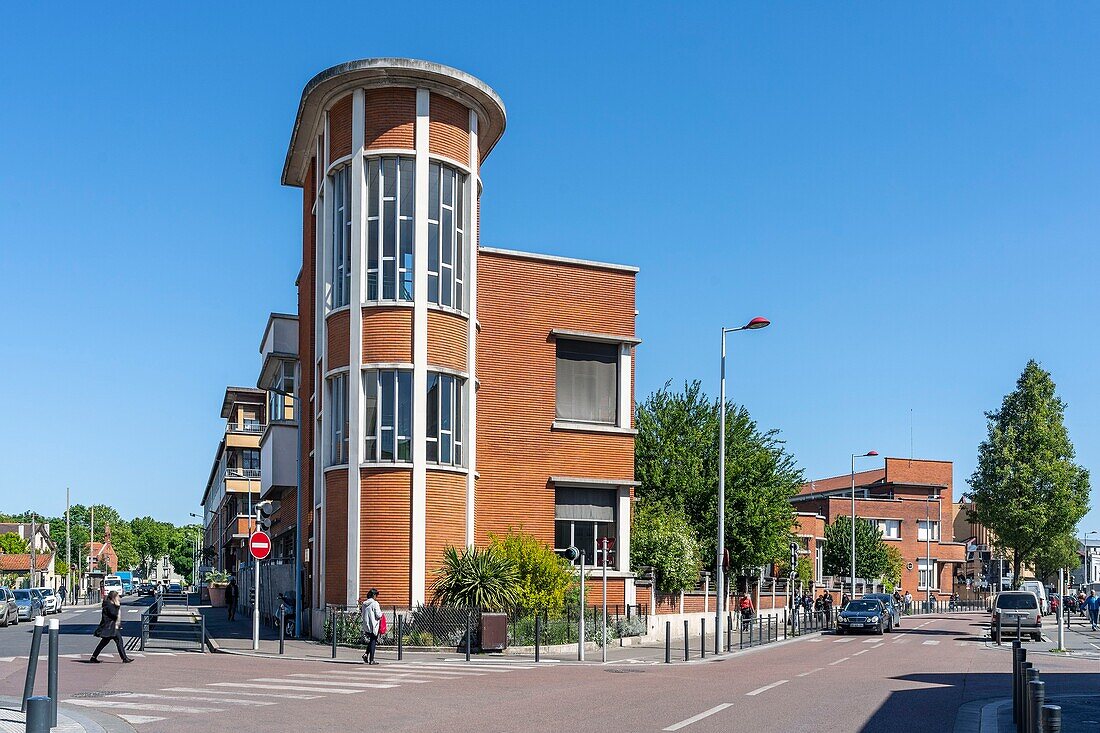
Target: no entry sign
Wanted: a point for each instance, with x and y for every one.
(259, 544)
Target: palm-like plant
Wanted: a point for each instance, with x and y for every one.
(476, 579)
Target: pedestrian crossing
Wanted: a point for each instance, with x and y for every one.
(138, 708)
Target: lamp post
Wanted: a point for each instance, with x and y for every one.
(928, 548)
(719, 607)
(868, 454)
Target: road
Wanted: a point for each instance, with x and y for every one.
(76, 626)
(915, 678)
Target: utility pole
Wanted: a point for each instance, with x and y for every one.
(33, 568)
(68, 545)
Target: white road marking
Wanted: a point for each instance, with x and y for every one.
(456, 669)
(139, 719)
(881, 643)
(870, 641)
(843, 641)
(224, 701)
(842, 659)
(861, 651)
(355, 679)
(302, 688)
(113, 703)
(815, 669)
(341, 683)
(12, 659)
(281, 695)
(765, 688)
(930, 642)
(700, 716)
(482, 665)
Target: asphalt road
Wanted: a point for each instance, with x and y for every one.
(916, 678)
(76, 626)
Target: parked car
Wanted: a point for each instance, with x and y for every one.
(146, 589)
(9, 610)
(1040, 592)
(1011, 606)
(29, 602)
(51, 603)
(892, 610)
(863, 614)
(175, 588)
(112, 583)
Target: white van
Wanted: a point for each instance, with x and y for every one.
(112, 582)
(1040, 592)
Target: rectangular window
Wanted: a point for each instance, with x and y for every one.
(587, 381)
(340, 251)
(890, 528)
(280, 400)
(387, 412)
(923, 575)
(337, 409)
(928, 531)
(250, 460)
(583, 517)
(391, 216)
(446, 236)
(443, 433)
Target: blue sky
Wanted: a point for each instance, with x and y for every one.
(910, 196)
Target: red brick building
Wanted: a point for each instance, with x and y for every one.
(909, 500)
(449, 390)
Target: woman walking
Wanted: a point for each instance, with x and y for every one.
(110, 627)
(373, 621)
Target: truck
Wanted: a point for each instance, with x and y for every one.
(127, 579)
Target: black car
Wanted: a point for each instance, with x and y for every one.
(893, 613)
(146, 589)
(864, 614)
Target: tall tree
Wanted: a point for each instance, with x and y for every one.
(1058, 553)
(13, 544)
(152, 540)
(872, 557)
(661, 537)
(676, 463)
(182, 547)
(1027, 489)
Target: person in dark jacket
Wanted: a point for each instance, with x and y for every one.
(232, 593)
(110, 627)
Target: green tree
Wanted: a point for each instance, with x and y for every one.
(895, 565)
(544, 576)
(152, 540)
(1061, 552)
(676, 463)
(1026, 489)
(661, 537)
(13, 544)
(872, 559)
(476, 579)
(181, 549)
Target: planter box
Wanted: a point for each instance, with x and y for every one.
(217, 596)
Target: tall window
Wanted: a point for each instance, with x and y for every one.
(337, 409)
(890, 528)
(391, 213)
(446, 236)
(340, 253)
(280, 402)
(928, 531)
(444, 419)
(923, 575)
(588, 381)
(582, 518)
(387, 409)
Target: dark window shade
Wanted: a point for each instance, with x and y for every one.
(593, 505)
(587, 381)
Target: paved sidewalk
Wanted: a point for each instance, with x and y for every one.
(68, 720)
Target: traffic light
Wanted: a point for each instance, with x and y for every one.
(571, 554)
(264, 510)
(794, 558)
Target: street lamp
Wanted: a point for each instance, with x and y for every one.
(868, 454)
(928, 547)
(754, 325)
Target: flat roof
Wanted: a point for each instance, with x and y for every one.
(557, 258)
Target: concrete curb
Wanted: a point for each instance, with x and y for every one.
(92, 721)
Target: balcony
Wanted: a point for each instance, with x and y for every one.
(244, 434)
(248, 427)
(242, 480)
(238, 527)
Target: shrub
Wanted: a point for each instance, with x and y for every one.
(544, 576)
(476, 579)
(662, 538)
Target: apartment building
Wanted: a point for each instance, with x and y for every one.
(234, 484)
(451, 391)
(910, 501)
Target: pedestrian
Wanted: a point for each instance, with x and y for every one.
(845, 599)
(110, 627)
(908, 601)
(954, 604)
(1092, 605)
(372, 617)
(61, 594)
(232, 593)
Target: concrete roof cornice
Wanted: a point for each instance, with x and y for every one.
(333, 82)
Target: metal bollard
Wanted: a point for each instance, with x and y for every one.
(703, 638)
(51, 670)
(1019, 692)
(1030, 675)
(668, 642)
(729, 632)
(1018, 629)
(538, 629)
(1052, 719)
(38, 714)
(332, 628)
(401, 639)
(32, 660)
(686, 632)
(468, 615)
(1038, 697)
(998, 637)
(282, 626)
(1016, 659)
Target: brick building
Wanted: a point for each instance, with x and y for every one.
(449, 390)
(910, 501)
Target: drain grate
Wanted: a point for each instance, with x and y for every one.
(100, 693)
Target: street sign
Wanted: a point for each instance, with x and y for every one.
(259, 544)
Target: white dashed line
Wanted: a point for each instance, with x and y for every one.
(842, 659)
(930, 642)
(700, 716)
(815, 669)
(861, 651)
(765, 688)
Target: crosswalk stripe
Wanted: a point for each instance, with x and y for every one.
(448, 669)
(303, 688)
(350, 676)
(139, 719)
(930, 642)
(340, 683)
(224, 701)
(112, 703)
(488, 666)
(870, 641)
(280, 695)
(842, 641)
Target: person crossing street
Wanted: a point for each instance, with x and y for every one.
(1092, 607)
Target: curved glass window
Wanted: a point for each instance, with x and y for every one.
(391, 216)
(340, 242)
(446, 236)
(443, 434)
(387, 410)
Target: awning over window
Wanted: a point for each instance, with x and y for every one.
(592, 505)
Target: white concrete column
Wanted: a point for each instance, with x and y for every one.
(355, 344)
(626, 405)
(320, 442)
(470, 418)
(622, 543)
(420, 353)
